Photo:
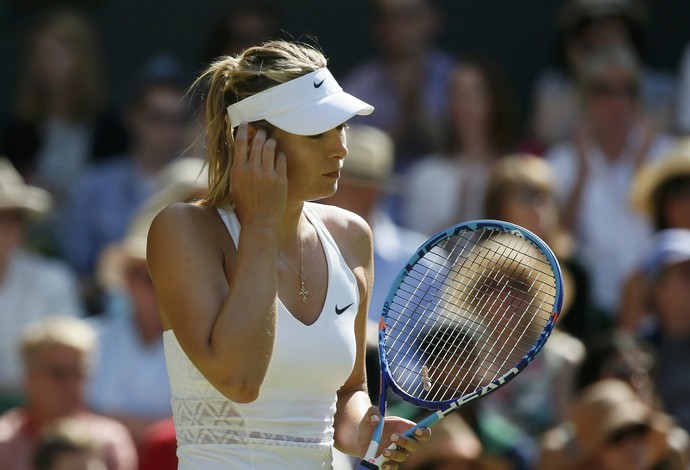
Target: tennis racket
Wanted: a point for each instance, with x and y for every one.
(470, 310)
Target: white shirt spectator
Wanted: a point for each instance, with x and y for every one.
(129, 377)
(442, 191)
(609, 233)
(33, 288)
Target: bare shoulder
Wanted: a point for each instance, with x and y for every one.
(343, 224)
(181, 226)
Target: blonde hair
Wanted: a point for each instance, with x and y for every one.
(88, 90)
(57, 330)
(230, 79)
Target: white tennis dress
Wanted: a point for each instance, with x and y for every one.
(290, 424)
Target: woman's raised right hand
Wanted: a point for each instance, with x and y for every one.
(258, 179)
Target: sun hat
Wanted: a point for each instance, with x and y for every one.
(311, 104)
(651, 176)
(370, 155)
(16, 194)
(598, 413)
(667, 247)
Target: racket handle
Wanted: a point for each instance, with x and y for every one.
(367, 462)
(364, 465)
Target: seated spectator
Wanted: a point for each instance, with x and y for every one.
(617, 354)
(667, 269)
(594, 172)
(407, 81)
(130, 380)
(481, 127)
(609, 428)
(61, 119)
(103, 201)
(661, 193)
(67, 445)
(585, 27)
(521, 189)
(32, 287)
(56, 355)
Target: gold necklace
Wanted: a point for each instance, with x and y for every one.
(302, 290)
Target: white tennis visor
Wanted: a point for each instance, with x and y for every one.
(308, 105)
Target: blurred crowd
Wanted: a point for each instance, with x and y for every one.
(599, 168)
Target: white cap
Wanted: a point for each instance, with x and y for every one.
(308, 105)
(668, 247)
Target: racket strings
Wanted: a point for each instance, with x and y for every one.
(468, 311)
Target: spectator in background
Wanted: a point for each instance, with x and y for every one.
(61, 118)
(452, 446)
(130, 381)
(609, 428)
(407, 81)
(32, 287)
(56, 353)
(585, 27)
(594, 171)
(617, 354)
(667, 269)
(661, 193)
(481, 126)
(248, 23)
(68, 445)
(521, 189)
(103, 201)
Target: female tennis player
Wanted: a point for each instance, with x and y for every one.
(263, 294)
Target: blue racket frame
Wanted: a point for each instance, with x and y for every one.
(445, 407)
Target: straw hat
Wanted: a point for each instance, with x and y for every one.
(600, 411)
(650, 177)
(180, 181)
(16, 194)
(370, 156)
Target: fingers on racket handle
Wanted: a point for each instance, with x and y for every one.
(380, 460)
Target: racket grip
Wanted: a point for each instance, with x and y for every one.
(381, 459)
(364, 465)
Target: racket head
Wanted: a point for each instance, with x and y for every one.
(461, 292)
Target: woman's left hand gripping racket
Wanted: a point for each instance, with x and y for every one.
(467, 314)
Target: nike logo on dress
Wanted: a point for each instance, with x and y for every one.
(339, 311)
(317, 85)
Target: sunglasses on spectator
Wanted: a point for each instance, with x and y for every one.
(605, 90)
(621, 435)
(60, 373)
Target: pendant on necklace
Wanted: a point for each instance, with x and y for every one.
(302, 291)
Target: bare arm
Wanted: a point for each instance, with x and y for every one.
(221, 304)
(356, 418)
